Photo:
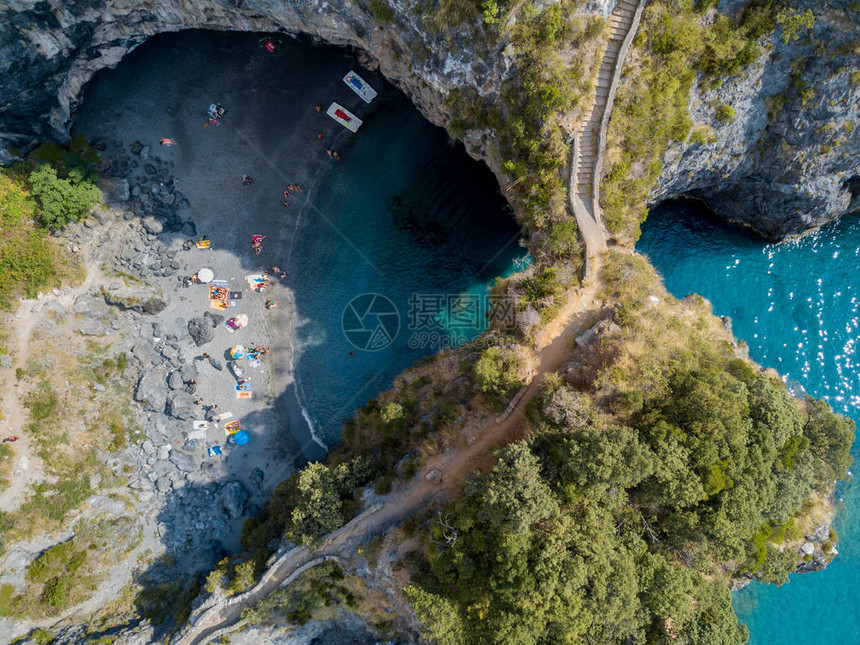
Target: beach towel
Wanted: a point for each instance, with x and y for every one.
(224, 415)
(232, 426)
(245, 395)
(214, 451)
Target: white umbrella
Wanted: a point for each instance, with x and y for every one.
(205, 275)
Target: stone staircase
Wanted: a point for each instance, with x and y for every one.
(590, 140)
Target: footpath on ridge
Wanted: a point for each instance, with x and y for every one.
(221, 616)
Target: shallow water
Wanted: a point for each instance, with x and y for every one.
(797, 305)
(406, 216)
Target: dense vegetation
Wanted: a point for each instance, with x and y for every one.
(622, 528)
(29, 260)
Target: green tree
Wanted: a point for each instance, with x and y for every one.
(514, 496)
(62, 200)
(496, 370)
(316, 504)
(437, 614)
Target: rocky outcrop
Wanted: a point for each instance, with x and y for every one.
(786, 162)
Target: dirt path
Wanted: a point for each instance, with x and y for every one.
(27, 467)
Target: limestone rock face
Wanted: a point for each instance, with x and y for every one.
(787, 162)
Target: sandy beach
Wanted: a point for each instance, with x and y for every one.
(270, 132)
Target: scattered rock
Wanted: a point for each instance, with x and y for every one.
(174, 381)
(142, 301)
(434, 476)
(114, 190)
(256, 478)
(216, 319)
(57, 308)
(89, 307)
(181, 405)
(188, 372)
(93, 328)
(183, 461)
(153, 225)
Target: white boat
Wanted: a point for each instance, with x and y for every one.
(343, 116)
(360, 86)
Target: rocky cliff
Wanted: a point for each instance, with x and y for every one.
(49, 50)
(787, 159)
(786, 162)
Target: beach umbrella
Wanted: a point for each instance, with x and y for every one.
(237, 351)
(205, 275)
(241, 438)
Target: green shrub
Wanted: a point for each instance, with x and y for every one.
(42, 402)
(793, 22)
(725, 113)
(62, 200)
(29, 259)
(56, 591)
(382, 11)
(496, 371)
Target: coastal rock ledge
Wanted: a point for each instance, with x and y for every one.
(781, 171)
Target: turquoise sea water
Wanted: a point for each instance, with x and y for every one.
(408, 216)
(797, 305)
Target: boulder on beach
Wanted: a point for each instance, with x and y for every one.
(201, 330)
(180, 404)
(151, 389)
(233, 498)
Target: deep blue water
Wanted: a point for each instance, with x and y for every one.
(408, 216)
(796, 305)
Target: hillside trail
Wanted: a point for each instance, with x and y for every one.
(27, 468)
(443, 475)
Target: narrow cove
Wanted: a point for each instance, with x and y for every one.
(796, 306)
(403, 213)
